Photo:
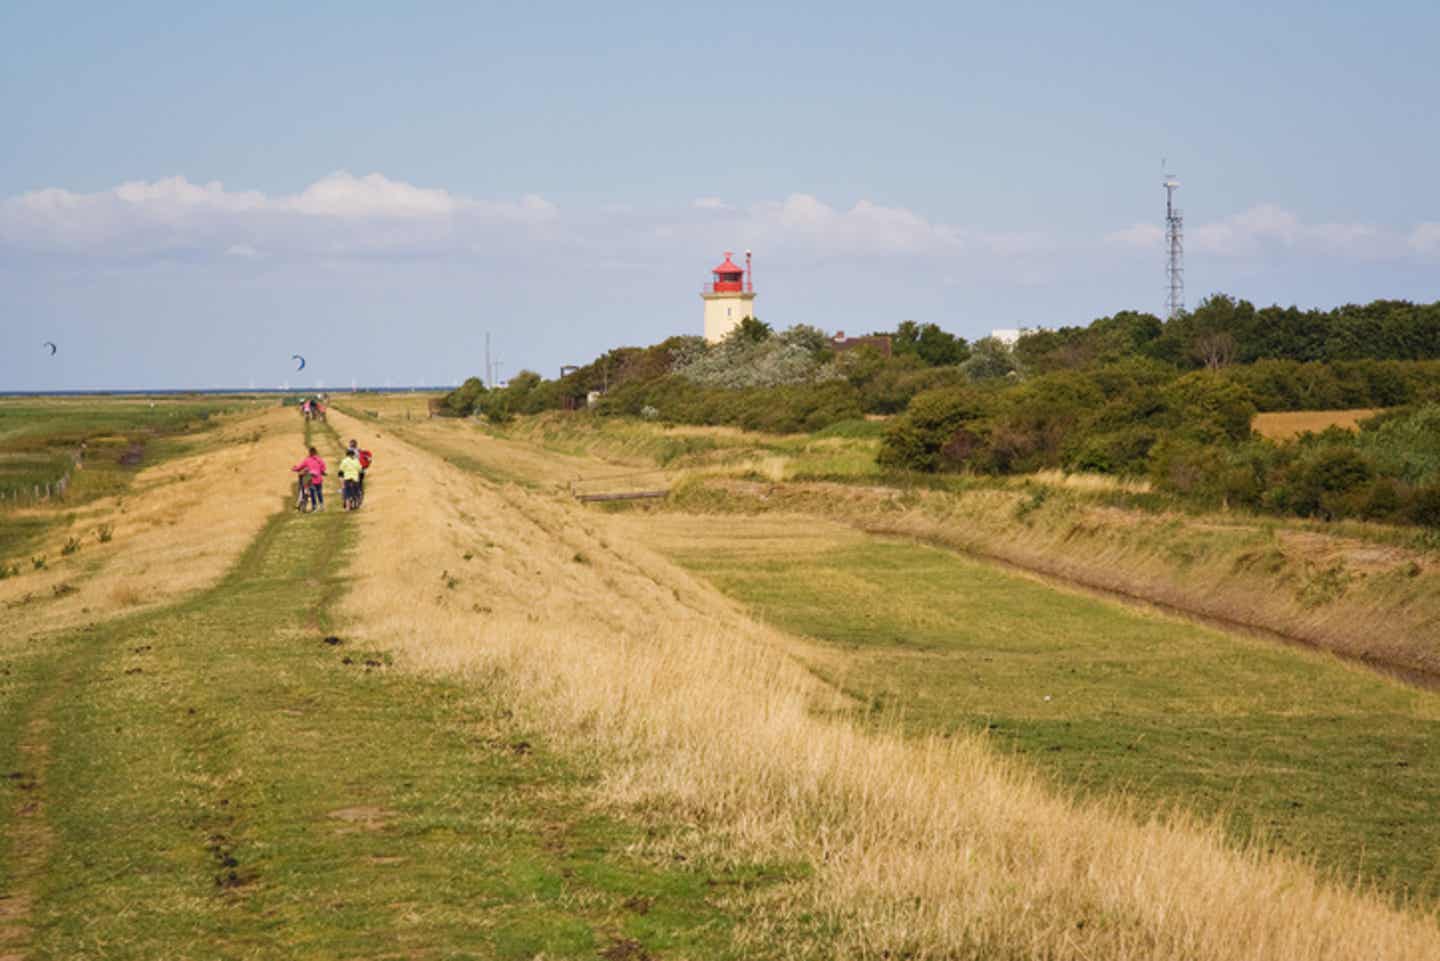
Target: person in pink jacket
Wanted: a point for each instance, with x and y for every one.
(314, 467)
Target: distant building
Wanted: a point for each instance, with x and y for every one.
(882, 343)
(729, 298)
(1010, 336)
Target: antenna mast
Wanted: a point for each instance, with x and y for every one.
(1174, 249)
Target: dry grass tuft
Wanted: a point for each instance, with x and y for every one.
(126, 594)
(1088, 482)
(927, 849)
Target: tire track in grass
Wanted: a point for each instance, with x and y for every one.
(218, 781)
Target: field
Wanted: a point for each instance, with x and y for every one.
(1297, 751)
(1284, 424)
(478, 720)
(94, 446)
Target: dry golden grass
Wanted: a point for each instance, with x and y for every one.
(919, 849)
(398, 406)
(1088, 482)
(178, 529)
(1285, 424)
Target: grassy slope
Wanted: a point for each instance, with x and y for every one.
(39, 437)
(212, 780)
(1326, 760)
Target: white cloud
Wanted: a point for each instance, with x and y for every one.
(1269, 226)
(344, 216)
(174, 195)
(341, 194)
(1138, 236)
(870, 228)
(337, 214)
(1425, 240)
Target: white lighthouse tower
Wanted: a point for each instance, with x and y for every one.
(729, 299)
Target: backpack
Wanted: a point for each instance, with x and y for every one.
(365, 459)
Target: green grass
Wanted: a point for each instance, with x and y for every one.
(222, 783)
(39, 439)
(1327, 761)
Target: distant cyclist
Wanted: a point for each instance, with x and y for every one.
(349, 471)
(313, 467)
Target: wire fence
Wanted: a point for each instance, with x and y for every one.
(31, 495)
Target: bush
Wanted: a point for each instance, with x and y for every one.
(1118, 452)
(461, 401)
(1206, 407)
(934, 432)
(1328, 481)
(1424, 507)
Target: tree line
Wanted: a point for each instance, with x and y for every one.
(1127, 394)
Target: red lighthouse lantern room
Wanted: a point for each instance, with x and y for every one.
(729, 277)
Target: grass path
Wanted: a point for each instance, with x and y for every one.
(215, 780)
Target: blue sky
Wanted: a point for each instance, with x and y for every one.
(189, 196)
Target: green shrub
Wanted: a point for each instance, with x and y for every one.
(934, 432)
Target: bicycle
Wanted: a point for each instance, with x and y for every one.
(304, 500)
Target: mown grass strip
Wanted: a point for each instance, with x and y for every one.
(1323, 760)
(223, 782)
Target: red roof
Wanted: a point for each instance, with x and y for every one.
(729, 268)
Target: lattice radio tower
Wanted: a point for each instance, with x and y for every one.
(1175, 249)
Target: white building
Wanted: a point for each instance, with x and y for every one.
(1010, 336)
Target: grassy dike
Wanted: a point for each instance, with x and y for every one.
(214, 780)
(1287, 747)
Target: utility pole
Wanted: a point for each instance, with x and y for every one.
(488, 382)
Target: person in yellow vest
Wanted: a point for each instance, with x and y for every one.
(349, 471)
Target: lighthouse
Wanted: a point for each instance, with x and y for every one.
(729, 298)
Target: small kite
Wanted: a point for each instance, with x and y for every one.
(299, 358)
(51, 345)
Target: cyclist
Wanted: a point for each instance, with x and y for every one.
(365, 458)
(349, 471)
(315, 468)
